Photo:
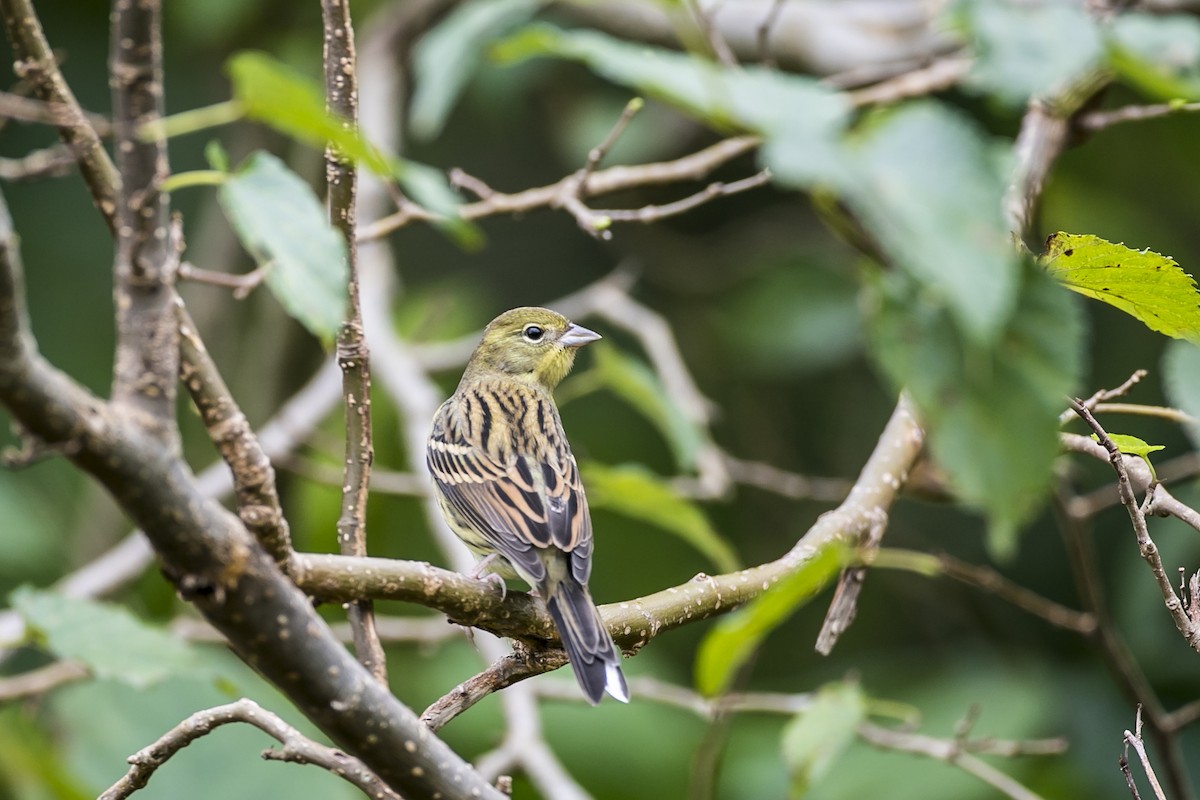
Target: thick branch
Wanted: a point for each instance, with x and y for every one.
(147, 357)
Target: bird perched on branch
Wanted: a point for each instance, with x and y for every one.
(509, 486)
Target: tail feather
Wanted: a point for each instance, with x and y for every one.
(593, 654)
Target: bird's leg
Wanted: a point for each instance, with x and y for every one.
(491, 577)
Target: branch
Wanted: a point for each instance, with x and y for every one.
(36, 64)
(253, 476)
(147, 355)
(1134, 740)
(41, 680)
(48, 162)
(297, 749)
(635, 622)
(1146, 546)
(353, 355)
(691, 167)
(1099, 120)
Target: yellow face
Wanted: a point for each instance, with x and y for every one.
(532, 345)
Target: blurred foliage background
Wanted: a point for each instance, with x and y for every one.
(764, 302)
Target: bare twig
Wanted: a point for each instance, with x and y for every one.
(1137, 516)
(711, 33)
(1104, 395)
(15, 106)
(253, 476)
(844, 606)
(650, 214)
(242, 285)
(764, 33)
(37, 66)
(1134, 740)
(516, 666)
(993, 582)
(691, 167)
(1099, 120)
(770, 478)
(353, 355)
(41, 680)
(953, 752)
(942, 74)
(296, 748)
(386, 481)
(45, 163)
(432, 630)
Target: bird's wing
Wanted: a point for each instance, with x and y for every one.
(522, 498)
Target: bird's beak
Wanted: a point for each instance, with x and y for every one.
(577, 336)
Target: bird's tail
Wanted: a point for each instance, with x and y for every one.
(593, 655)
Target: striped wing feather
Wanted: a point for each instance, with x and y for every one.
(518, 490)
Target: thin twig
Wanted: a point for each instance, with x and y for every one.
(48, 162)
(41, 680)
(691, 167)
(1134, 740)
(36, 64)
(1104, 395)
(242, 285)
(763, 37)
(1096, 121)
(654, 213)
(1137, 517)
(253, 476)
(353, 355)
(296, 748)
(794, 486)
(942, 74)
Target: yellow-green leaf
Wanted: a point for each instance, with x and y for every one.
(636, 492)
(815, 737)
(1144, 284)
(731, 642)
(1133, 446)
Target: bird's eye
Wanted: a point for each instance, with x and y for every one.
(533, 333)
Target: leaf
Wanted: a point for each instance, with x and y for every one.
(293, 104)
(107, 639)
(815, 738)
(281, 222)
(927, 187)
(733, 639)
(1133, 446)
(799, 117)
(1158, 54)
(446, 57)
(1022, 50)
(636, 492)
(1149, 287)
(1181, 377)
(992, 412)
(640, 387)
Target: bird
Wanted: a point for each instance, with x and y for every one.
(509, 487)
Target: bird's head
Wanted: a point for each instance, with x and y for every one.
(531, 345)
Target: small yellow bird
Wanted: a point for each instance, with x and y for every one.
(509, 486)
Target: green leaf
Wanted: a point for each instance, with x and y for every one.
(1150, 287)
(282, 223)
(291, 103)
(799, 117)
(815, 738)
(446, 57)
(929, 189)
(1158, 54)
(215, 155)
(107, 639)
(1023, 50)
(1181, 378)
(1133, 446)
(733, 639)
(639, 386)
(992, 412)
(636, 492)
